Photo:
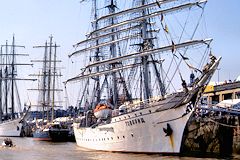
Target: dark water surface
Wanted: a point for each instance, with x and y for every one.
(28, 149)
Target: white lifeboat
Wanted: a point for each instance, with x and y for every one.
(102, 111)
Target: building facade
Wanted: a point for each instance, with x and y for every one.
(214, 94)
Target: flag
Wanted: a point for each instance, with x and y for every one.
(166, 28)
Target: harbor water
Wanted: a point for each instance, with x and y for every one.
(29, 149)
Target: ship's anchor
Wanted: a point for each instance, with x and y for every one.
(168, 131)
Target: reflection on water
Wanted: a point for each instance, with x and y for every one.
(28, 149)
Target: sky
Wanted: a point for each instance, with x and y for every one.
(33, 21)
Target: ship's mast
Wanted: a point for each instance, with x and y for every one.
(12, 77)
(49, 76)
(6, 81)
(144, 59)
(97, 58)
(8, 61)
(44, 104)
(48, 80)
(145, 72)
(43, 87)
(114, 88)
(54, 79)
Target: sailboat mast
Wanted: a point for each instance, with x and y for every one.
(49, 75)
(12, 76)
(6, 81)
(48, 80)
(54, 79)
(44, 79)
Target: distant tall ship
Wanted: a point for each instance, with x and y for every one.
(49, 89)
(136, 56)
(11, 116)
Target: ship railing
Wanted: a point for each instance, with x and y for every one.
(137, 105)
(4, 121)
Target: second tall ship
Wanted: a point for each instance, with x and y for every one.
(12, 119)
(49, 98)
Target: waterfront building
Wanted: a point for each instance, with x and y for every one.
(214, 94)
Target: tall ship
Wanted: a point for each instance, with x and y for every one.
(49, 98)
(12, 118)
(47, 90)
(136, 62)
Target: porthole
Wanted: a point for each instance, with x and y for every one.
(133, 122)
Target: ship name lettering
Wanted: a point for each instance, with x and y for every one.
(135, 121)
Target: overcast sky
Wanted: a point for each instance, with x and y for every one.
(33, 21)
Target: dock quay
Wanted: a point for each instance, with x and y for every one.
(213, 132)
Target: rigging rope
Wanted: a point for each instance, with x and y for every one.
(178, 65)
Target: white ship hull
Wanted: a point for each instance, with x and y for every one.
(139, 131)
(11, 128)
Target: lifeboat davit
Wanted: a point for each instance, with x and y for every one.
(102, 111)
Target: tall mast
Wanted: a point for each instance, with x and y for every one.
(12, 76)
(44, 104)
(9, 65)
(48, 80)
(95, 27)
(54, 79)
(111, 8)
(49, 76)
(145, 71)
(6, 81)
